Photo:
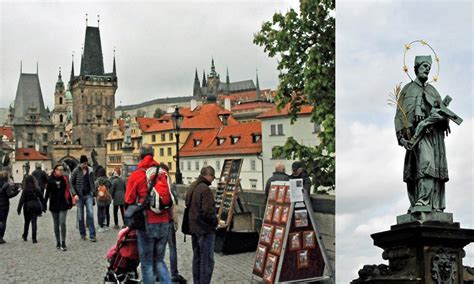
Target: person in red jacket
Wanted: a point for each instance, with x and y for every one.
(151, 241)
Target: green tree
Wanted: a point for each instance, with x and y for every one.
(141, 113)
(158, 113)
(304, 43)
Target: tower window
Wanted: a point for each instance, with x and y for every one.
(61, 118)
(60, 100)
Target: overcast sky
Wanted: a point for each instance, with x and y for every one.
(370, 39)
(158, 44)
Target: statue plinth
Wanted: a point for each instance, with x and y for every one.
(423, 216)
(424, 252)
(127, 159)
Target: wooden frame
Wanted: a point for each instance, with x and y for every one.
(309, 239)
(294, 241)
(270, 268)
(260, 257)
(302, 258)
(231, 172)
(266, 236)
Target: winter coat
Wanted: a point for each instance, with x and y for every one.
(202, 212)
(7, 191)
(41, 178)
(29, 194)
(137, 187)
(277, 176)
(117, 190)
(103, 181)
(77, 181)
(56, 194)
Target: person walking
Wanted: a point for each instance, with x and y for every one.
(41, 177)
(7, 190)
(60, 201)
(202, 224)
(151, 240)
(31, 201)
(83, 192)
(103, 185)
(117, 191)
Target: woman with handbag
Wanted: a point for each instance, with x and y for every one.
(60, 201)
(7, 190)
(31, 201)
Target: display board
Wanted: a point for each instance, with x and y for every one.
(289, 248)
(227, 191)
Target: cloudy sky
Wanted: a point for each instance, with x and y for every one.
(370, 193)
(158, 43)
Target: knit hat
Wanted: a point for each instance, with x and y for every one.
(83, 159)
(296, 165)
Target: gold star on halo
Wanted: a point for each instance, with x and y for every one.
(405, 69)
(435, 78)
(423, 42)
(437, 58)
(407, 46)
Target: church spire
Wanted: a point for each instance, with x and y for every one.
(257, 95)
(204, 83)
(213, 69)
(114, 72)
(227, 80)
(196, 88)
(72, 69)
(59, 83)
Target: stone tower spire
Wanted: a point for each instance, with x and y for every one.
(204, 83)
(197, 88)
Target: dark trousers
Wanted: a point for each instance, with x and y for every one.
(103, 215)
(30, 218)
(173, 252)
(122, 211)
(203, 258)
(59, 221)
(3, 221)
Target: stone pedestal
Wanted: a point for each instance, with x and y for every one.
(127, 160)
(420, 249)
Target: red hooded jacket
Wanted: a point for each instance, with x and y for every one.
(137, 186)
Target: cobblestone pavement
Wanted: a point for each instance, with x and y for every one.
(84, 262)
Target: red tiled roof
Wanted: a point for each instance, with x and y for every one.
(29, 154)
(208, 145)
(305, 109)
(252, 105)
(248, 95)
(145, 122)
(203, 117)
(7, 131)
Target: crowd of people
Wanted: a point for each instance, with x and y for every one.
(85, 188)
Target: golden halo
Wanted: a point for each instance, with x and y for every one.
(422, 42)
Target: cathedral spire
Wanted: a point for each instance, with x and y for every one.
(227, 79)
(204, 83)
(213, 69)
(257, 95)
(196, 88)
(59, 83)
(114, 72)
(72, 68)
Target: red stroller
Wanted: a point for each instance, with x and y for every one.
(123, 259)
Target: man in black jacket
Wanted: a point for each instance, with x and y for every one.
(278, 175)
(202, 224)
(41, 177)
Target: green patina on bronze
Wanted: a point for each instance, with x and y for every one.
(421, 123)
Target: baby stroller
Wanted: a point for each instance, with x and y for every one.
(123, 259)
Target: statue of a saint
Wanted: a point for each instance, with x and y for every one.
(127, 138)
(421, 123)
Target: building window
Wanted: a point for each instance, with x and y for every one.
(61, 134)
(272, 130)
(253, 165)
(170, 166)
(169, 151)
(256, 138)
(61, 118)
(220, 141)
(162, 152)
(45, 137)
(163, 137)
(181, 165)
(218, 165)
(197, 142)
(280, 129)
(45, 149)
(253, 184)
(30, 136)
(189, 165)
(189, 180)
(60, 100)
(234, 139)
(99, 139)
(170, 137)
(153, 138)
(196, 164)
(204, 163)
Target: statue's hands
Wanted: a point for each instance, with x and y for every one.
(419, 118)
(447, 131)
(406, 144)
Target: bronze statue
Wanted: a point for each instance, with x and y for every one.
(421, 124)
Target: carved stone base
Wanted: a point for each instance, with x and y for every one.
(421, 217)
(428, 252)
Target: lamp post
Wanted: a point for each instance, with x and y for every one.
(177, 119)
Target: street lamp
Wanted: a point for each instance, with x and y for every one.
(177, 120)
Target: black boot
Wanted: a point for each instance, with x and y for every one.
(23, 237)
(35, 241)
(58, 245)
(63, 246)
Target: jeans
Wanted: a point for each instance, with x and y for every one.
(103, 215)
(203, 257)
(86, 201)
(173, 253)
(3, 221)
(33, 219)
(151, 247)
(122, 212)
(59, 221)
